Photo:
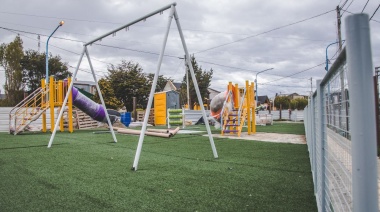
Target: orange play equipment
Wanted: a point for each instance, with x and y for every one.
(238, 108)
(37, 103)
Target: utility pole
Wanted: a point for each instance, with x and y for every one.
(344, 107)
(39, 40)
(339, 26)
(311, 86)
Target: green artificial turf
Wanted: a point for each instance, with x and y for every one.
(84, 171)
(283, 127)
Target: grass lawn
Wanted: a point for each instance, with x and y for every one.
(84, 171)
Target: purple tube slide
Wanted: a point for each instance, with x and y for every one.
(91, 108)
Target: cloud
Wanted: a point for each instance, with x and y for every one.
(206, 24)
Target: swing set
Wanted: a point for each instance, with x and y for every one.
(172, 13)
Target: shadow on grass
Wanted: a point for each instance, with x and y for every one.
(229, 163)
(26, 147)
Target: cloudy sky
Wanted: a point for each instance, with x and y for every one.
(236, 38)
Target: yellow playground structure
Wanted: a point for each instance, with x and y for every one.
(238, 108)
(37, 103)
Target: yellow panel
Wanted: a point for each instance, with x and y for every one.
(160, 108)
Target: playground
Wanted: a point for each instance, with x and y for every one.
(87, 171)
(91, 170)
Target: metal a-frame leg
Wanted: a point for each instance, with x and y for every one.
(150, 100)
(85, 51)
(196, 85)
(66, 98)
(141, 139)
(100, 96)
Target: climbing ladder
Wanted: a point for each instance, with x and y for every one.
(237, 108)
(176, 117)
(234, 118)
(27, 111)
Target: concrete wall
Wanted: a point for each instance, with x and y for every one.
(296, 115)
(4, 118)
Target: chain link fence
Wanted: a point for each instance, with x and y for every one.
(340, 126)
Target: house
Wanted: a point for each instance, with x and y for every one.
(296, 96)
(172, 86)
(262, 100)
(212, 93)
(87, 86)
(175, 86)
(2, 96)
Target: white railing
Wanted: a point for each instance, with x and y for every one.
(341, 127)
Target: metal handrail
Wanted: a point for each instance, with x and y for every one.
(241, 105)
(224, 105)
(31, 99)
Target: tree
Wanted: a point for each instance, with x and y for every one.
(282, 100)
(203, 78)
(108, 94)
(128, 81)
(298, 104)
(161, 81)
(10, 59)
(34, 69)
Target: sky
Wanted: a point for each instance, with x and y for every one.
(236, 39)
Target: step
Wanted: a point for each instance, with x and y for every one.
(230, 131)
(231, 125)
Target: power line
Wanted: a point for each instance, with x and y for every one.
(344, 4)
(276, 37)
(287, 86)
(57, 46)
(369, 19)
(374, 12)
(117, 23)
(308, 69)
(141, 51)
(52, 17)
(117, 47)
(104, 45)
(365, 6)
(274, 29)
(67, 51)
(243, 69)
(300, 71)
(347, 8)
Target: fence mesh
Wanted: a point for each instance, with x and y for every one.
(337, 142)
(328, 135)
(340, 138)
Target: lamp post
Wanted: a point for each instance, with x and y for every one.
(327, 59)
(256, 81)
(47, 52)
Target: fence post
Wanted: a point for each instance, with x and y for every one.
(376, 90)
(313, 144)
(363, 134)
(322, 141)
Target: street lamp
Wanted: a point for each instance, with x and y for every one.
(256, 81)
(47, 52)
(327, 59)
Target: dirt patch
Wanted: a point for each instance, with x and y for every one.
(268, 137)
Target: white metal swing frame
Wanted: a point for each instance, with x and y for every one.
(172, 13)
